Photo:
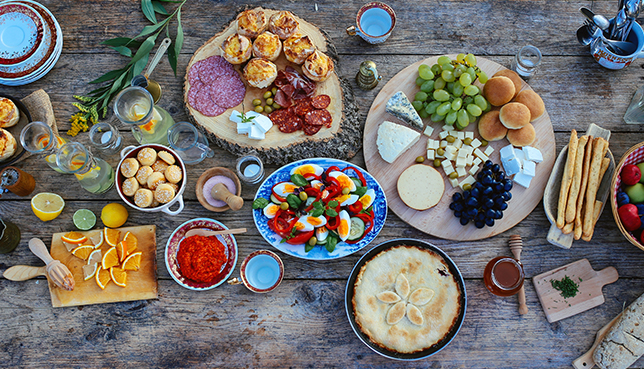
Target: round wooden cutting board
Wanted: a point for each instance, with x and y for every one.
(439, 221)
(340, 141)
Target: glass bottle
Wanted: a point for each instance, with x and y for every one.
(134, 106)
(94, 174)
(189, 143)
(9, 236)
(106, 138)
(36, 138)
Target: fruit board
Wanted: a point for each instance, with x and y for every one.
(141, 284)
(440, 221)
(341, 141)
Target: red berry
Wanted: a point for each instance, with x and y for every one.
(631, 174)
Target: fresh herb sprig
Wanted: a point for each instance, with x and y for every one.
(96, 101)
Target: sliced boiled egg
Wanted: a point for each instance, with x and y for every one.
(283, 189)
(321, 233)
(317, 184)
(346, 200)
(314, 221)
(303, 225)
(344, 180)
(308, 169)
(344, 228)
(270, 210)
(367, 198)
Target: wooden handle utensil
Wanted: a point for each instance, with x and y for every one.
(516, 245)
(221, 192)
(24, 272)
(57, 271)
(208, 232)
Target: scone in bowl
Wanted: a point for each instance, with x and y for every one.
(634, 155)
(131, 152)
(449, 269)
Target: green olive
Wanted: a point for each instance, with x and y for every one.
(440, 151)
(257, 102)
(259, 109)
(467, 141)
(483, 143)
(420, 159)
(453, 175)
(303, 196)
(437, 163)
(269, 101)
(467, 187)
(312, 241)
(276, 106)
(284, 205)
(274, 90)
(450, 139)
(268, 109)
(346, 190)
(268, 94)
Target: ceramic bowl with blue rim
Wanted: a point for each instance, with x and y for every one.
(342, 249)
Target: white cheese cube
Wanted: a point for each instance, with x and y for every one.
(518, 153)
(489, 151)
(532, 154)
(507, 152)
(439, 156)
(475, 143)
(467, 149)
(458, 143)
(469, 134)
(454, 182)
(443, 134)
(256, 133)
(451, 149)
(263, 122)
(460, 135)
(480, 154)
(522, 179)
(428, 131)
(511, 166)
(477, 161)
(446, 163)
(443, 144)
(432, 144)
(243, 128)
(529, 168)
(462, 153)
(450, 155)
(449, 170)
(469, 180)
(447, 127)
(460, 162)
(474, 169)
(431, 154)
(235, 116)
(469, 160)
(453, 133)
(461, 171)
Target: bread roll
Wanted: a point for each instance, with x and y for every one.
(251, 23)
(624, 342)
(267, 46)
(513, 76)
(318, 66)
(522, 137)
(9, 113)
(147, 156)
(129, 167)
(236, 49)
(260, 72)
(7, 144)
(490, 126)
(514, 115)
(499, 90)
(533, 101)
(297, 48)
(283, 24)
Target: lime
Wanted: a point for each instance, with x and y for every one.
(84, 219)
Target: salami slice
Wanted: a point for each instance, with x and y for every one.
(227, 91)
(291, 124)
(214, 67)
(193, 74)
(320, 117)
(321, 101)
(303, 106)
(193, 92)
(311, 130)
(202, 101)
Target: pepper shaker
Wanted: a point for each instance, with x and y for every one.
(17, 181)
(367, 77)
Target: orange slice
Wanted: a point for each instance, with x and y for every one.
(97, 239)
(121, 248)
(103, 277)
(132, 242)
(83, 251)
(110, 258)
(74, 237)
(111, 236)
(119, 276)
(133, 262)
(90, 270)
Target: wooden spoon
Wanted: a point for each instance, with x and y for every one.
(516, 245)
(57, 271)
(207, 232)
(24, 272)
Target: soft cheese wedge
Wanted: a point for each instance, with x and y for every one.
(399, 106)
(420, 187)
(394, 139)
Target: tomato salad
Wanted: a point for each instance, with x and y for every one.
(320, 207)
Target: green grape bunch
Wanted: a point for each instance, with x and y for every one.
(447, 91)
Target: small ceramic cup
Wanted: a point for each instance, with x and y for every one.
(262, 271)
(375, 21)
(610, 60)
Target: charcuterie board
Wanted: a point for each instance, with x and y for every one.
(439, 221)
(341, 140)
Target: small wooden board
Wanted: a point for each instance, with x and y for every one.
(141, 284)
(586, 361)
(439, 221)
(590, 289)
(341, 141)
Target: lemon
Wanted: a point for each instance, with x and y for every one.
(47, 206)
(84, 219)
(114, 215)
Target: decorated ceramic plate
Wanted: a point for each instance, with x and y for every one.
(174, 244)
(21, 33)
(379, 207)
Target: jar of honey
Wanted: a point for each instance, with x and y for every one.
(503, 276)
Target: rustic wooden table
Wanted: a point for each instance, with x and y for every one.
(303, 322)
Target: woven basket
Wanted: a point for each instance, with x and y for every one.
(634, 155)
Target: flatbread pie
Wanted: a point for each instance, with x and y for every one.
(406, 299)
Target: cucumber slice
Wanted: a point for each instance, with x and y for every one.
(357, 229)
(275, 200)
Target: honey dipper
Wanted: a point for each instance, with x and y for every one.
(516, 245)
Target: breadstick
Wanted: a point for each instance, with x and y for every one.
(584, 183)
(578, 225)
(598, 207)
(576, 180)
(568, 228)
(591, 191)
(604, 168)
(566, 179)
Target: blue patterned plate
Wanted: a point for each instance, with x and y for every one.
(319, 252)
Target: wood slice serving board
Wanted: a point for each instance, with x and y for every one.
(439, 221)
(590, 289)
(341, 141)
(141, 284)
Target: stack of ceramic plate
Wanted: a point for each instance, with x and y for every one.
(30, 42)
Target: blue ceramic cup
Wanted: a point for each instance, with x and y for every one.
(374, 22)
(262, 271)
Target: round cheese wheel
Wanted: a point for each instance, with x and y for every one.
(420, 187)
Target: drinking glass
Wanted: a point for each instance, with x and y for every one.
(134, 107)
(9, 236)
(189, 143)
(94, 174)
(250, 169)
(525, 62)
(106, 138)
(36, 138)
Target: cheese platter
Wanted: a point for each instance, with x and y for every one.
(439, 220)
(340, 138)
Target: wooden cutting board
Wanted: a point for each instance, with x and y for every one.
(141, 284)
(590, 289)
(341, 141)
(439, 221)
(586, 361)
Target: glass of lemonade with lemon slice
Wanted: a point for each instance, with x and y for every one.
(94, 174)
(134, 106)
(36, 138)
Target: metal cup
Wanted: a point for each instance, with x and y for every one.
(610, 60)
(375, 21)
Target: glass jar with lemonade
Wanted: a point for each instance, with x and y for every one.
(36, 138)
(134, 106)
(94, 174)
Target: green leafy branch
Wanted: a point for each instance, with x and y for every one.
(97, 100)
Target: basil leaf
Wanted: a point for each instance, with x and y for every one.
(308, 247)
(159, 8)
(331, 242)
(299, 180)
(260, 203)
(283, 240)
(333, 204)
(148, 10)
(318, 205)
(331, 212)
(360, 190)
(317, 212)
(293, 201)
